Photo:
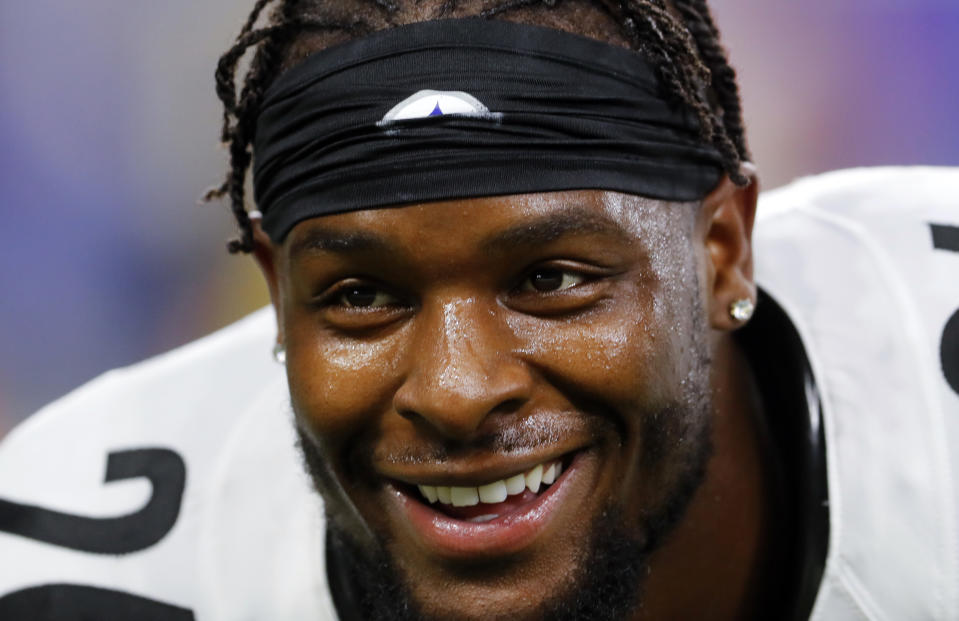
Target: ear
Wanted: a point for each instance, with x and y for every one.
(726, 225)
(266, 254)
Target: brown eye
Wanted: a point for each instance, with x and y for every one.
(549, 279)
(365, 296)
(546, 280)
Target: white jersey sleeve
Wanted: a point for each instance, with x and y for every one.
(866, 263)
(166, 490)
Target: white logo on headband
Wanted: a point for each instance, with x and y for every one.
(427, 103)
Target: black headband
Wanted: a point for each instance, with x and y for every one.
(469, 107)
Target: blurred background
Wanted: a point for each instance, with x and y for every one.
(108, 135)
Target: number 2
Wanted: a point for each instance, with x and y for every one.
(124, 534)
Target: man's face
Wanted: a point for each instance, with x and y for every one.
(456, 347)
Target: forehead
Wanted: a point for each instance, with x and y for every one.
(489, 224)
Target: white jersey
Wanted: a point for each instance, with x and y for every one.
(172, 489)
(866, 264)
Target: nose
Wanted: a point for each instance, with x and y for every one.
(461, 369)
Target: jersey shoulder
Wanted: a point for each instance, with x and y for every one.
(161, 397)
(103, 493)
(864, 193)
(866, 263)
(831, 243)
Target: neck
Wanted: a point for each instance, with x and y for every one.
(718, 562)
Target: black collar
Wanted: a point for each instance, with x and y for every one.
(794, 418)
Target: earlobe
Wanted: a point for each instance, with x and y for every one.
(728, 214)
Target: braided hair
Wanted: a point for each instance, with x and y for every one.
(679, 37)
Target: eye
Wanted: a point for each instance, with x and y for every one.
(364, 296)
(559, 287)
(547, 279)
(355, 305)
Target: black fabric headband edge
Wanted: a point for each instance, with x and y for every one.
(463, 32)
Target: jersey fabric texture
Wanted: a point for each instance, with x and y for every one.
(173, 490)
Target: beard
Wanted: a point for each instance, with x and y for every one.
(608, 591)
(607, 585)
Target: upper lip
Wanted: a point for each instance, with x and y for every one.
(477, 470)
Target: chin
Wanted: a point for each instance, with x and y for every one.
(602, 584)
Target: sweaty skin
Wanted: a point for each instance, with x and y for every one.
(460, 342)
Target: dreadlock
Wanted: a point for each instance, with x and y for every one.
(680, 39)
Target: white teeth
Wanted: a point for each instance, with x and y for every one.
(464, 496)
(549, 474)
(493, 492)
(443, 493)
(533, 478)
(429, 491)
(516, 485)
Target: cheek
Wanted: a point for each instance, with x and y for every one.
(626, 355)
(338, 384)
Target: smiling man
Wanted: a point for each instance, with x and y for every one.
(510, 253)
(501, 362)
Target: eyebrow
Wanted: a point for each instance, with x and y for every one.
(539, 230)
(319, 239)
(572, 220)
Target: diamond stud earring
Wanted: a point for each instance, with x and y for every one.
(742, 309)
(279, 353)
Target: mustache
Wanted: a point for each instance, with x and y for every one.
(519, 438)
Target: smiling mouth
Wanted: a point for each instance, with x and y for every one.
(492, 518)
(489, 501)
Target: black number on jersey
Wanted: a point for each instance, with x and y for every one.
(116, 535)
(945, 237)
(72, 602)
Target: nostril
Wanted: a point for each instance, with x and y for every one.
(509, 406)
(409, 414)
